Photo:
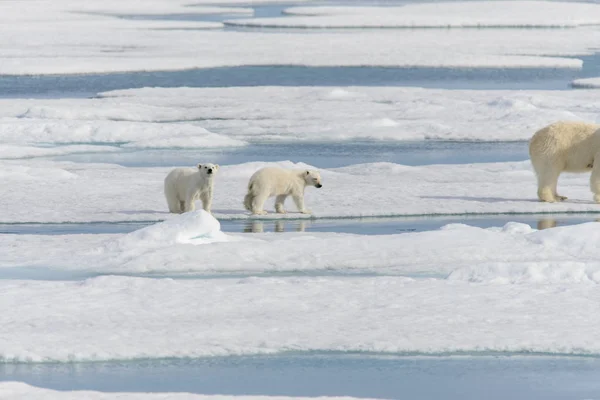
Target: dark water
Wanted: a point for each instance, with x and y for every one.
(88, 85)
(320, 155)
(459, 378)
(362, 226)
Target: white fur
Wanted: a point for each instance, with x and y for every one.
(272, 181)
(183, 186)
(565, 147)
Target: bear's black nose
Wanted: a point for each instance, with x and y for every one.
(209, 171)
(318, 186)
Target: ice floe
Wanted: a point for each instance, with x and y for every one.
(68, 37)
(72, 192)
(192, 245)
(586, 83)
(123, 318)
(220, 117)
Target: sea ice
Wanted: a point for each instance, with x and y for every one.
(26, 131)
(191, 244)
(124, 318)
(586, 83)
(95, 38)
(74, 192)
(220, 117)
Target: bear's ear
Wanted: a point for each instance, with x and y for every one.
(199, 166)
(216, 166)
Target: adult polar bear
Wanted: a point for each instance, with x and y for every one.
(565, 146)
(274, 181)
(183, 186)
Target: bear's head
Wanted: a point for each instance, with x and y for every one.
(312, 178)
(208, 169)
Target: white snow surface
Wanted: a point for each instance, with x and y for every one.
(74, 37)
(23, 391)
(220, 117)
(534, 290)
(70, 192)
(66, 132)
(115, 317)
(586, 83)
(192, 245)
(495, 14)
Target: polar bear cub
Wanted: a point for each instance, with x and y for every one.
(183, 186)
(272, 181)
(565, 147)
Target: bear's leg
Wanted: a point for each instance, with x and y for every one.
(547, 182)
(172, 200)
(206, 198)
(188, 205)
(557, 196)
(299, 200)
(181, 206)
(248, 201)
(279, 203)
(173, 205)
(258, 203)
(595, 180)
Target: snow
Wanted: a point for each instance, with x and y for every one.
(70, 192)
(28, 132)
(488, 14)
(181, 288)
(125, 318)
(190, 246)
(533, 289)
(361, 113)
(23, 391)
(586, 83)
(194, 227)
(209, 117)
(189, 119)
(71, 37)
(8, 151)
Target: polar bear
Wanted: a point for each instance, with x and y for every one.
(273, 181)
(565, 146)
(183, 186)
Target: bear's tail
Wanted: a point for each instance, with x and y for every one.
(248, 198)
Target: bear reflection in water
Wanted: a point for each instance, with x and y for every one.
(275, 226)
(547, 223)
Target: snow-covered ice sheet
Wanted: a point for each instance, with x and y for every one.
(358, 113)
(68, 37)
(115, 317)
(527, 14)
(515, 288)
(70, 192)
(9, 151)
(25, 131)
(192, 245)
(586, 83)
(23, 391)
(208, 117)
